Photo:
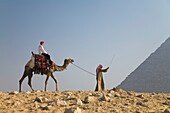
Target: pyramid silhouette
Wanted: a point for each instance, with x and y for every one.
(153, 75)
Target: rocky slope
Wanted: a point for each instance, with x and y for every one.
(110, 101)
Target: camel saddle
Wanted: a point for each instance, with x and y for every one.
(42, 64)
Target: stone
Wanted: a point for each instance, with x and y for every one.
(40, 99)
(27, 92)
(96, 94)
(38, 91)
(13, 93)
(16, 103)
(166, 103)
(37, 99)
(141, 104)
(167, 111)
(89, 99)
(79, 102)
(117, 95)
(109, 95)
(73, 110)
(71, 98)
(60, 103)
(90, 94)
(138, 111)
(140, 96)
(45, 107)
(36, 105)
(111, 91)
(126, 104)
(104, 98)
(118, 90)
(130, 93)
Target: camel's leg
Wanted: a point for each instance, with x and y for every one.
(55, 81)
(29, 80)
(21, 80)
(46, 82)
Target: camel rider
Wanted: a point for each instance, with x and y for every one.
(99, 78)
(42, 51)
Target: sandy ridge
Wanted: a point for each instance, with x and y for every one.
(110, 101)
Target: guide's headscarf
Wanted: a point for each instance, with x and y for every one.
(99, 67)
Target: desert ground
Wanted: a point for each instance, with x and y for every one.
(110, 101)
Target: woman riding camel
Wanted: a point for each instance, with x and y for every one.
(42, 51)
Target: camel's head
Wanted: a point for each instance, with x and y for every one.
(68, 61)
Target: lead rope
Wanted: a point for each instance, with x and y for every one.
(112, 60)
(83, 69)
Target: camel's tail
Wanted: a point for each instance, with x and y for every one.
(32, 57)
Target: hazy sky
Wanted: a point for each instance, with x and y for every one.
(89, 31)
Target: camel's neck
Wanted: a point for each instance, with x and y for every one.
(60, 68)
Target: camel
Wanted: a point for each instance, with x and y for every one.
(29, 69)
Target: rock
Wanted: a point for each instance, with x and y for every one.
(141, 104)
(167, 111)
(56, 94)
(145, 100)
(130, 93)
(166, 103)
(109, 95)
(140, 96)
(71, 98)
(89, 99)
(60, 103)
(77, 110)
(138, 111)
(37, 99)
(90, 94)
(96, 94)
(36, 105)
(52, 104)
(27, 92)
(45, 107)
(44, 99)
(13, 93)
(69, 93)
(73, 110)
(40, 99)
(79, 102)
(7, 98)
(16, 103)
(118, 90)
(104, 98)
(111, 91)
(126, 104)
(114, 111)
(38, 91)
(117, 95)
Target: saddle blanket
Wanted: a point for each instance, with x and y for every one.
(42, 64)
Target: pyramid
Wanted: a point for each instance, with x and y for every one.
(153, 75)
